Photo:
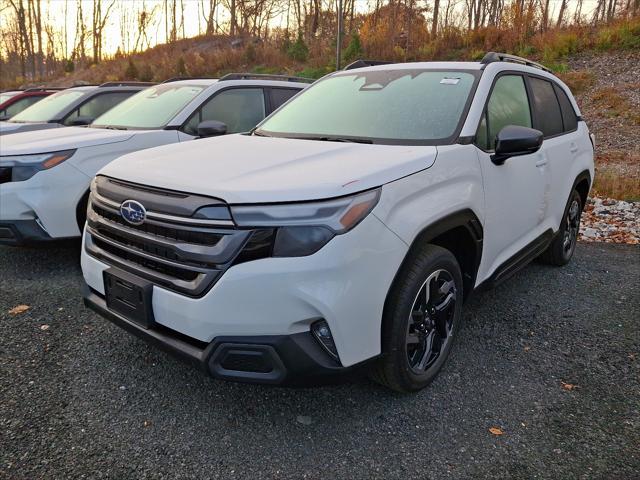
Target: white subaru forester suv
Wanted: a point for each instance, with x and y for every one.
(45, 174)
(348, 228)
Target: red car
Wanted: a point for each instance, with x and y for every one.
(14, 101)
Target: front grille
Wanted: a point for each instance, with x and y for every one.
(176, 234)
(178, 252)
(182, 274)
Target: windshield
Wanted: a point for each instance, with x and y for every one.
(382, 106)
(6, 96)
(49, 107)
(151, 108)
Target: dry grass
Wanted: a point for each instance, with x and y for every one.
(618, 175)
(613, 104)
(578, 81)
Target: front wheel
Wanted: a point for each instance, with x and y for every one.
(561, 249)
(422, 317)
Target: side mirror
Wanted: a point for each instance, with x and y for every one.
(513, 141)
(211, 128)
(81, 121)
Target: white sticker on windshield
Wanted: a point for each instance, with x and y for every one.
(449, 81)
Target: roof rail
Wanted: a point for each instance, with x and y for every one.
(365, 63)
(491, 57)
(177, 79)
(126, 84)
(263, 76)
(42, 89)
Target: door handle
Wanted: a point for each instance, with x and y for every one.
(574, 147)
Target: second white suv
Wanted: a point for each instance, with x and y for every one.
(45, 175)
(348, 229)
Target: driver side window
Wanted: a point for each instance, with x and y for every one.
(240, 109)
(508, 105)
(97, 105)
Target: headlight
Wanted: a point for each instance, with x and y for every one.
(23, 167)
(304, 228)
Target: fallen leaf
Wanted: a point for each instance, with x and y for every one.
(44, 327)
(527, 348)
(568, 386)
(147, 423)
(19, 309)
(496, 431)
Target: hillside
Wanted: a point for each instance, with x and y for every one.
(607, 88)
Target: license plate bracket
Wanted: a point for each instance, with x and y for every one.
(129, 296)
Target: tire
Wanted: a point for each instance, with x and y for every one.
(405, 365)
(561, 249)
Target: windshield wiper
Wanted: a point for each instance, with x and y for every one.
(111, 127)
(339, 139)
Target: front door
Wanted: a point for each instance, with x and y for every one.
(514, 191)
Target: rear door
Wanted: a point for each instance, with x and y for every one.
(555, 118)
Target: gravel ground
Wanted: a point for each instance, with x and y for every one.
(610, 220)
(551, 359)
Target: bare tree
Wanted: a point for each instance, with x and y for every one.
(79, 49)
(434, 22)
(208, 15)
(98, 22)
(563, 8)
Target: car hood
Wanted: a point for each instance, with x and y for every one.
(251, 169)
(53, 140)
(13, 126)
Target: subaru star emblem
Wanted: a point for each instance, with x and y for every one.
(133, 212)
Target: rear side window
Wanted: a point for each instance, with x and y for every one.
(508, 105)
(97, 105)
(569, 117)
(548, 115)
(278, 96)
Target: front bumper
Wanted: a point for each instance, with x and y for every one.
(295, 359)
(22, 232)
(345, 283)
(49, 198)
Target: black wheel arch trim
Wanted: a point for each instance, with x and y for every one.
(465, 218)
(585, 175)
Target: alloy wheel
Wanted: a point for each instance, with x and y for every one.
(572, 226)
(430, 322)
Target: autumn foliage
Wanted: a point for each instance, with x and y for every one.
(393, 30)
